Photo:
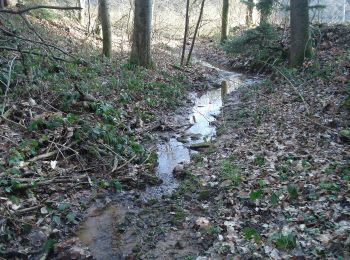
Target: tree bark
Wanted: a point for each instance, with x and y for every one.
(141, 39)
(249, 15)
(186, 32)
(106, 28)
(195, 33)
(344, 10)
(81, 4)
(5, 3)
(300, 38)
(265, 8)
(224, 22)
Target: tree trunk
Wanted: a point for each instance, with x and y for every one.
(264, 17)
(344, 10)
(141, 39)
(265, 8)
(5, 3)
(186, 32)
(195, 33)
(300, 38)
(224, 22)
(81, 4)
(106, 28)
(249, 15)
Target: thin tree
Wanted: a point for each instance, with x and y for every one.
(81, 4)
(300, 36)
(186, 31)
(344, 10)
(249, 14)
(141, 39)
(195, 33)
(106, 28)
(265, 8)
(224, 21)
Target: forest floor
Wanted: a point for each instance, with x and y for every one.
(274, 183)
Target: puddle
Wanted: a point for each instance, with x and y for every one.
(98, 232)
(204, 111)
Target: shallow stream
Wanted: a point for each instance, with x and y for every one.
(98, 231)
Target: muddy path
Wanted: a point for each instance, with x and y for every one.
(150, 224)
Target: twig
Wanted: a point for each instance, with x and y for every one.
(292, 85)
(26, 210)
(126, 163)
(7, 85)
(28, 9)
(33, 53)
(8, 139)
(13, 122)
(36, 42)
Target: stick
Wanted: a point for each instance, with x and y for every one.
(7, 85)
(28, 9)
(186, 32)
(195, 33)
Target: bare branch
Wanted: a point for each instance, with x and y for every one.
(28, 9)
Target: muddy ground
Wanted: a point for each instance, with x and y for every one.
(274, 183)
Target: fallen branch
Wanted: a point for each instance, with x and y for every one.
(28, 9)
(199, 146)
(26, 210)
(32, 53)
(27, 185)
(84, 96)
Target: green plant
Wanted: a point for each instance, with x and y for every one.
(117, 185)
(251, 233)
(284, 242)
(330, 186)
(230, 171)
(255, 195)
(259, 160)
(274, 199)
(213, 230)
(293, 192)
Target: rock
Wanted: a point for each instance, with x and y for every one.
(76, 253)
(202, 222)
(180, 245)
(196, 137)
(71, 249)
(200, 146)
(37, 238)
(181, 139)
(179, 171)
(225, 184)
(165, 138)
(344, 136)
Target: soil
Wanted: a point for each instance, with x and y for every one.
(273, 184)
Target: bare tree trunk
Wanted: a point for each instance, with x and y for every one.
(5, 3)
(300, 38)
(186, 32)
(344, 10)
(81, 4)
(265, 8)
(224, 21)
(195, 33)
(141, 39)
(249, 15)
(106, 28)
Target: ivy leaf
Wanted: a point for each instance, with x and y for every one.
(71, 218)
(49, 244)
(274, 199)
(256, 194)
